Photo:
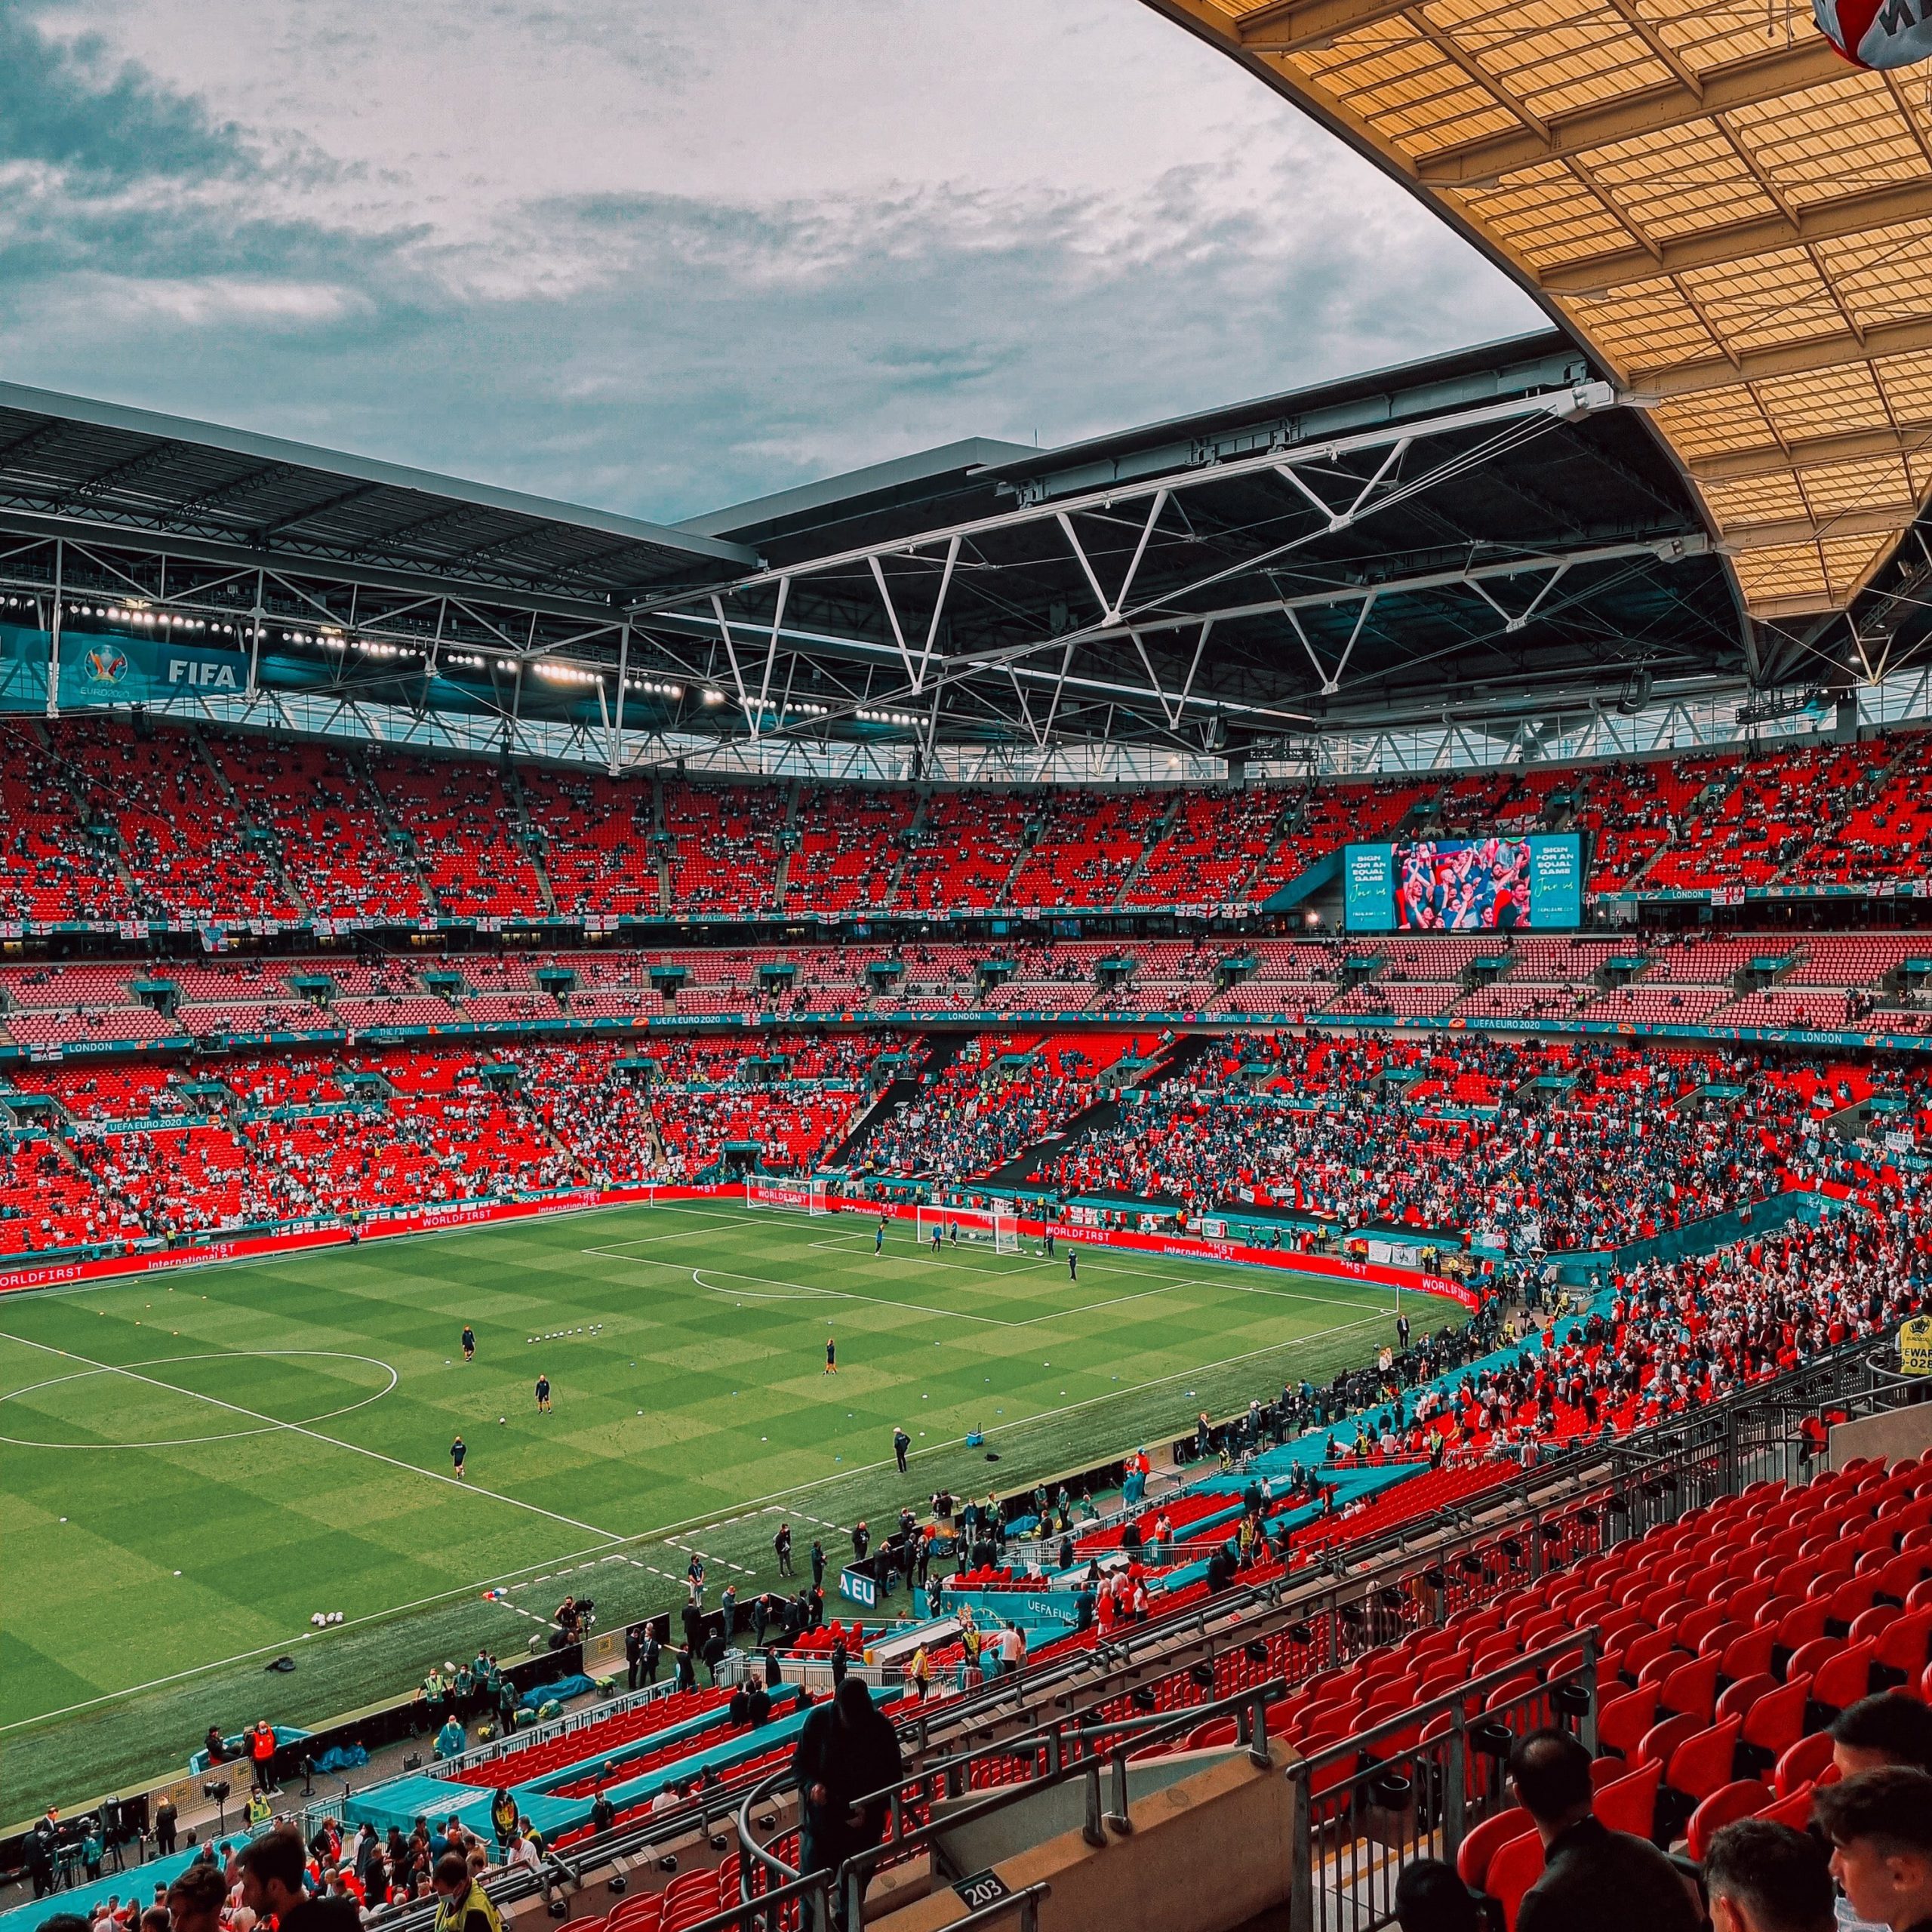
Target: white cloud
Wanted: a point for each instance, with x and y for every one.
(660, 261)
(106, 305)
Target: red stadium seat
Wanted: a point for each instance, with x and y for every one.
(1515, 1867)
(1793, 1809)
(1744, 1798)
(1660, 1742)
(1690, 1689)
(1802, 1624)
(1695, 1625)
(1701, 1764)
(1738, 1698)
(1803, 1763)
(1480, 1844)
(1747, 1654)
(1899, 1654)
(1621, 1722)
(1869, 1624)
(1845, 1678)
(1646, 1649)
(1628, 1804)
(1775, 1721)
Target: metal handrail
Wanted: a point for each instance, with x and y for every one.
(1122, 1737)
(1890, 1388)
(1572, 1661)
(514, 1741)
(1363, 1808)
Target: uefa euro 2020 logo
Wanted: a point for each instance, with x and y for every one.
(106, 664)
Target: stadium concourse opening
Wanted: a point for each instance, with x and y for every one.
(1227, 1116)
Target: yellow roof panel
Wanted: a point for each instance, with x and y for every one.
(1885, 276)
(1775, 299)
(1784, 576)
(1849, 561)
(1756, 500)
(1551, 217)
(1819, 145)
(1680, 181)
(1738, 224)
(1714, 422)
(1652, 326)
(1823, 403)
(1905, 382)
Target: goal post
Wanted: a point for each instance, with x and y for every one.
(789, 1196)
(984, 1227)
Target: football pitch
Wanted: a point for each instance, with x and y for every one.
(192, 1464)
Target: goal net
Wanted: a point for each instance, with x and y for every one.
(792, 1197)
(984, 1227)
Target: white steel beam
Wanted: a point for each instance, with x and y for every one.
(1563, 405)
(1011, 663)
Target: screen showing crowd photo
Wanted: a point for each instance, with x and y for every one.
(1477, 885)
(1465, 885)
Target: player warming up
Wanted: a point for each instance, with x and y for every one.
(831, 1356)
(468, 1343)
(878, 1236)
(543, 1394)
(457, 1453)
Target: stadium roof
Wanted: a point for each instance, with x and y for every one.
(1489, 530)
(1737, 222)
(97, 468)
(1490, 534)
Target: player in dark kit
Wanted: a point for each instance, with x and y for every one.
(831, 1356)
(543, 1394)
(457, 1452)
(468, 1343)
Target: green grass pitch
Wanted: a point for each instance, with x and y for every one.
(191, 1465)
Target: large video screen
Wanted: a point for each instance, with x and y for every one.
(1465, 885)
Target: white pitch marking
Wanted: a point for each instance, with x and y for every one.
(315, 1435)
(191, 1441)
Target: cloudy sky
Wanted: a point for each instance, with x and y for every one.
(659, 260)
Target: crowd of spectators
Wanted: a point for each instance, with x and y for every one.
(142, 1153)
(1674, 1335)
(105, 822)
(1001, 1094)
(1617, 1146)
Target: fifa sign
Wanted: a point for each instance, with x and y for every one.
(202, 674)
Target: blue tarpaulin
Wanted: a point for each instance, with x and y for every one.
(563, 1689)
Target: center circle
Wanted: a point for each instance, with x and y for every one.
(213, 1404)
